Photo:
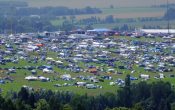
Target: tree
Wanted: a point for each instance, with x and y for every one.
(142, 92)
(173, 106)
(119, 108)
(170, 14)
(124, 95)
(23, 94)
(9, 105)
(67, 107)
(109, 19)
(32, 100)
(54, 103)
(124, 27)
(72, 18)
(111, 6)
(20, 105)
(137, 106)
(160, 93)
(42, 105)
(2, 103)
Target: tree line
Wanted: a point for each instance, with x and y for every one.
(141, 96)
(46, 11)
(17, 17)
(170, 14)
(8, 4)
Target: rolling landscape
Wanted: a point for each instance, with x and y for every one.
(94, 3)
(87, 55)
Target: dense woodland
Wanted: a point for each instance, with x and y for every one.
(142, 96)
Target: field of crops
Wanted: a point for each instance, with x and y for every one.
(162, 24)
(125, 12)
(96, 3)
(120, 8)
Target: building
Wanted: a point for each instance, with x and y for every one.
(156, 31)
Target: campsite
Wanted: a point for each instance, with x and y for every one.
(84, 61)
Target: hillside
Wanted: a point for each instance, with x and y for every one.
(95, 3)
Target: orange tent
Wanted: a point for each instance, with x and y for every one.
(40, 45)
(92, 70)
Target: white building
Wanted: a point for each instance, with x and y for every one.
(156, 31)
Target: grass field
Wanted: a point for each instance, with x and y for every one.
(19, 80)
(162, 24)
(127, 13)
(121, 9)
(94, 3)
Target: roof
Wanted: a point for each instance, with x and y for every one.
(157, 31)
(99, 30)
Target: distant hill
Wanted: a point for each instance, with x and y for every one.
(94, 3)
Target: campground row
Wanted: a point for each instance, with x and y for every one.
(92, 61)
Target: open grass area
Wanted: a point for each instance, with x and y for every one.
(20, 74)
(57, 22)
(137, 24)
(20, 81)
(121, 9)
(127, 12)
(162, 24)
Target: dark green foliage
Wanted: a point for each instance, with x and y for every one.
(124, 95)
(66, 107)
(141, 91)
(23, 95)
(42, 105)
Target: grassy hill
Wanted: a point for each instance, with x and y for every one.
(95, 3)
(120, 8)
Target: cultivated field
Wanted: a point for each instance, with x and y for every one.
(128, 12)
(162, 24)
(95, 3)
(121, 9)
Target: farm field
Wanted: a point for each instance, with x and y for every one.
(55, 78)
(162, 24)
(119, 9)
(137, 24)
(94, 3)
(126, 12)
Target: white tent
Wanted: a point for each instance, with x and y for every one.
(31, 78)
(48, 58)
(45, 70)
(144, 76)
(59, 62)
(66, 76)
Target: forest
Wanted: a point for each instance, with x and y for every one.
(141, 96)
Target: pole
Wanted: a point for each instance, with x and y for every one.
(168, 17)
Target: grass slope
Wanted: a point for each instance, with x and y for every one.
(94, 3)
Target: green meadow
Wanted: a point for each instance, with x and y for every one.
(20, 74)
